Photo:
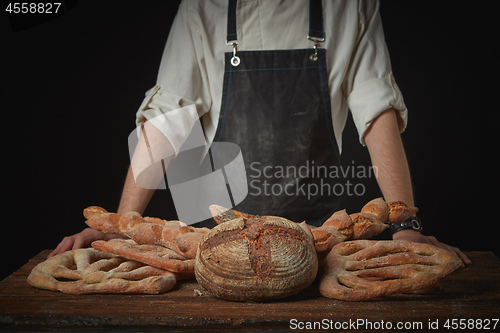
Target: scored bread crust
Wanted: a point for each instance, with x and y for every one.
(256, 258)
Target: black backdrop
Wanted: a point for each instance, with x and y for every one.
(71, 87)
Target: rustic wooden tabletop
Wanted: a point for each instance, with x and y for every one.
(470, 299)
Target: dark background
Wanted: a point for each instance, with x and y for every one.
(71, 87)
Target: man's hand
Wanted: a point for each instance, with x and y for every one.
(82, 239)
(415, 236)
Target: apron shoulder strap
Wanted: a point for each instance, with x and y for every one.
(231, 37)
(316, 32)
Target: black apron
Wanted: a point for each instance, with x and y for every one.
(276, 108)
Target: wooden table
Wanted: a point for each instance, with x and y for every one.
(471, 296)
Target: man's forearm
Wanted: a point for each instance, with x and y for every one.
(147, 168)
(134, 198)
(388, 157)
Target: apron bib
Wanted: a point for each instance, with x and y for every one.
(276, 108)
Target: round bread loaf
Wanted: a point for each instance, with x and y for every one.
(256, 258)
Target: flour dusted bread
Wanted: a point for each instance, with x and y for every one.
(326, 237)
(153, 255)
(366, 225)
(147, 230)
(342, 222)
(256, 258)
(88, 271)
(362, 269)
(377, 207)
(163, 255)
(399, 212)
(250, 257)
(373, 219)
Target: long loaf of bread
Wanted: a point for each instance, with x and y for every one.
(373, 219)
(174, 235)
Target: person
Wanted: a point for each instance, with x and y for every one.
(277, 78)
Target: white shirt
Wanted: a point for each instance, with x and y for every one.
(192, 66)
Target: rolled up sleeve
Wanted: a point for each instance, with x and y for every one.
(181, 94)
(369, 84)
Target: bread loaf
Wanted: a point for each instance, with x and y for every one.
(88, 271)
(362, 269)
(373, 219)
(147, 230)
(256, 258)
(153, 255)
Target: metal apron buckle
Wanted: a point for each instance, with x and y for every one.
(235, 60)
(316, 40)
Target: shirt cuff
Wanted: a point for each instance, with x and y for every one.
(368, 100)
(170, 114)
